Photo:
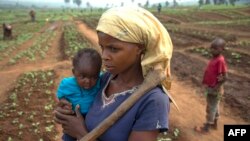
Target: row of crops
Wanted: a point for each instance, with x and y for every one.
(205, 13)
(72, 40)
(21, 15)
(27, 113)
(203, 30)
(91, 19)
(23, 29)
(22, 32)
(241, 25)
(39, 48)
(201, 34)
(13, 16)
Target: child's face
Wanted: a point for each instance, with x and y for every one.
(215, 50)
(86, 76)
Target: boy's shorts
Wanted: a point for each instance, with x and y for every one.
(213, 92)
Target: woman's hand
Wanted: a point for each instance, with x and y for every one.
(71, 124)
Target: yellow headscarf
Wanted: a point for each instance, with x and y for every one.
(137, 25)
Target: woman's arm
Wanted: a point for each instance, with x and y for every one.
(143, 135)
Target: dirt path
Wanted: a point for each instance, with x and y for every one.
(89, 34)
(191, 103)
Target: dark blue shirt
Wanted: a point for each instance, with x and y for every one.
(149, 113)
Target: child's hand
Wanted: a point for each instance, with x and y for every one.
(65, 105)
(220, 78)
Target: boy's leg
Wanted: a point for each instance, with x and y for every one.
(209, 113)
(215, 125)
(212, 108)
(217, 115)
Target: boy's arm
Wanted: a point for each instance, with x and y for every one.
(221, 80)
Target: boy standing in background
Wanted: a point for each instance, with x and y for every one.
(214, 77)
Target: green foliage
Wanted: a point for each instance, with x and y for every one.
(73, 40)
(21, 110)
(203, 51)
(176, 132)
(40, 46)
(236, 55)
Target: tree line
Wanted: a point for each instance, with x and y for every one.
(175, 3)
(217, 2)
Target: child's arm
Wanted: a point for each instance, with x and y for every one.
(221, 80)
(61, 95)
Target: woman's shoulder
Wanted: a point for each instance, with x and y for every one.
(156, 94)
(157, 91)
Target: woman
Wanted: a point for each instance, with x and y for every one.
(132, 42)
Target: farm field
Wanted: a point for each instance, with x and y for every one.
(33, 63)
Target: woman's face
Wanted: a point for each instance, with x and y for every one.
(118, 56)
